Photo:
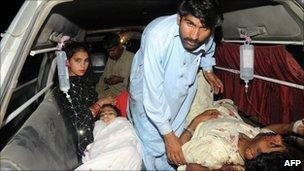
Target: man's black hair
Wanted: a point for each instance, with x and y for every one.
(273, 161)
(110, 40)
(208, 11)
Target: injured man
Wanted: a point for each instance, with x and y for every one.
(219, 139)
(115, 146)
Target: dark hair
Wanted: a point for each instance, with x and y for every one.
(118, 113)
(110, 40)
(264, 134)
(273, 161)
(74, 47)
(208, 11)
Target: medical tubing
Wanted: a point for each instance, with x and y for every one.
(249, 101)
(75, 123)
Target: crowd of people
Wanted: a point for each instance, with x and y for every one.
(173, 122)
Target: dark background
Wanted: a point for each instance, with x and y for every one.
(8, 12)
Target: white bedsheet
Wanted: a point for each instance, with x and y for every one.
(115, 147)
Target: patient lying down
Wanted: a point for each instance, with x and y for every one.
(115, 145)
(219, 139)
(223, 139)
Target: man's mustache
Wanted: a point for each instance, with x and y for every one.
(191, 40)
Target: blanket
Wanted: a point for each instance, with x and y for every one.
(115, 147)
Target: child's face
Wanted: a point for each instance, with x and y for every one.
(107, 114)
(78, 63)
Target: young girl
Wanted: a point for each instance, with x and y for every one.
(115, 146)
(85, 105)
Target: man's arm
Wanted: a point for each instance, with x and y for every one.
(154, 100)
(207, 63)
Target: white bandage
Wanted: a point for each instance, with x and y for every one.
(296, 126)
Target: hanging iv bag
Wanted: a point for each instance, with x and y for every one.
(63, 74)
(246, 62)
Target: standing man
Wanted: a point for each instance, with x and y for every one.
(115, 77)
(163, 78)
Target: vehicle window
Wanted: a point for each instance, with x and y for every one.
(30, 69)
(26, 88)
(27, 81)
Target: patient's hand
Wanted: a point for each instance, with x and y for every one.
(207, 115)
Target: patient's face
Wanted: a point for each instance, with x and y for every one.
(107, 114)
(265, 144)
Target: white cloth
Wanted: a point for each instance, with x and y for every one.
(203, 98)
(115, 147)
(215, 142)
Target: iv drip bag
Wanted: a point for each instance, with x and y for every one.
(63, 74)
(246, 62)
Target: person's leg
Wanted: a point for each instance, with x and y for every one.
(148, 161)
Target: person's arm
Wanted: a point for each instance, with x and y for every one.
(207, 62)
(207, 115)
(288, 128)
(95, 108)
(154, 100)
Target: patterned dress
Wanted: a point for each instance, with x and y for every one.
(78, 115)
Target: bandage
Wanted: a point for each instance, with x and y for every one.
(296, 125)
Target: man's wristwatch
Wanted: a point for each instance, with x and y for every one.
(208, 71)
(190, 131)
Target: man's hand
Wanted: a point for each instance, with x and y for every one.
(215, 83)
(174, 149)
(113, 79)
